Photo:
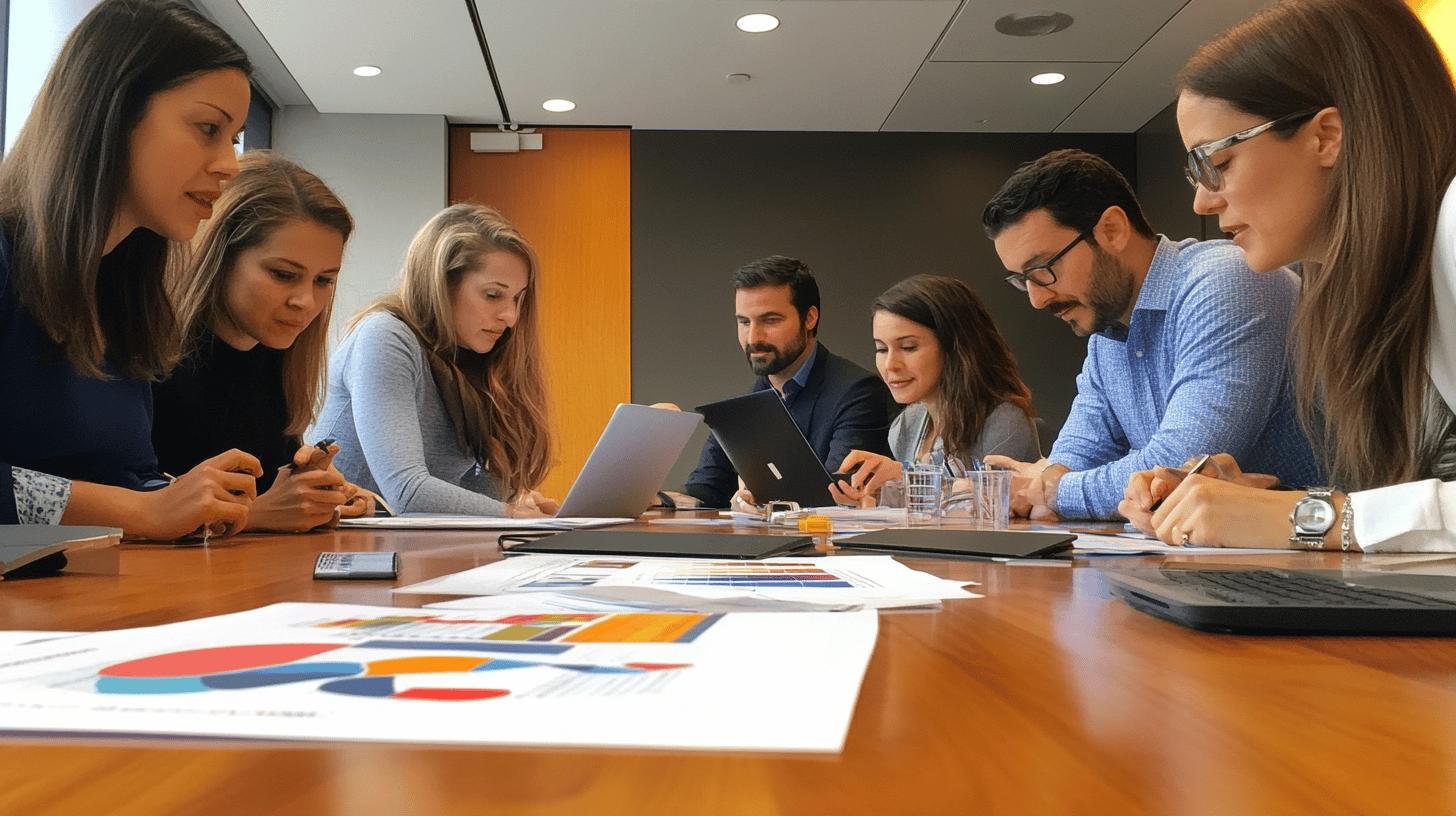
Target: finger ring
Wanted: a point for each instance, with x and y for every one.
(1184, 542)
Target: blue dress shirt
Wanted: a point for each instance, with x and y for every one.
(1203, 368)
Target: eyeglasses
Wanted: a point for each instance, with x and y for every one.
(1044, 274)
(1200, 169)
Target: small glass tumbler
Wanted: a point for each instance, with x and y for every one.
(922, 495)
(981, 498)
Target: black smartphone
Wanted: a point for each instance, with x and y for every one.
(843, 476)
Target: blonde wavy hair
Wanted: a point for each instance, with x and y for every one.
(504, 405)
(270, 192)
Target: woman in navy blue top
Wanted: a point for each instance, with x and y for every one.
(128, 144)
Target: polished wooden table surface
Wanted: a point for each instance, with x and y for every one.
(1047, 696)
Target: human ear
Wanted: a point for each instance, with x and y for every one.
(811, 318)
(1113, 229)
(1328, 130)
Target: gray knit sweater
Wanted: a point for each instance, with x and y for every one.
(390, 423)
(1007, 431)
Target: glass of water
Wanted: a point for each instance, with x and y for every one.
(981, 498)
(922, 494)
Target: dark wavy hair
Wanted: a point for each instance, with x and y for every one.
(978, 370)
(62, 182)
(1075, 186)
(781, 270)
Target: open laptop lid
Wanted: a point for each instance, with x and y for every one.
(629, 463)
(768, 450)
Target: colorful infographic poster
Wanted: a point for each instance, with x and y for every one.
(323, 671)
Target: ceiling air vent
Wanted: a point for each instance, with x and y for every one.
(1033, 23)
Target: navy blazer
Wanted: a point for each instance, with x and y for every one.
(842, 408)
(54, 420)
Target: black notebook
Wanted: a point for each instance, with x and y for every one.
(982, 543)
(636, 542)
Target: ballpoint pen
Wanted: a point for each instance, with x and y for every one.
(1197, 466)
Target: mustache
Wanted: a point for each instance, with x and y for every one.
(1053, 308)
(763, 347)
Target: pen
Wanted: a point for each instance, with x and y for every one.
(1197, 466)
(322, 444)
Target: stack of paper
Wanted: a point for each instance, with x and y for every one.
(435, 521)
(870, 581)
(337, 672)
(1088, 544)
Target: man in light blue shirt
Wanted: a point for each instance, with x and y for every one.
(1187, 347)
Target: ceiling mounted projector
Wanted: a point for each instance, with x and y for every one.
(504, 141)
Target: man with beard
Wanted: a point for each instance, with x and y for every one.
(1186, 354)
(838, 405)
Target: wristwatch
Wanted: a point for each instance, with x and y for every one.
(1312, 517)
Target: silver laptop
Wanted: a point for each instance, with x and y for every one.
(629, 463)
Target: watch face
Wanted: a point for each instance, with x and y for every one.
(1313, 515)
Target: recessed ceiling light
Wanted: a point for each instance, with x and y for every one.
(559, 105)
(368, 71)
(1033, 23)
(1049, 78)
(757, 23)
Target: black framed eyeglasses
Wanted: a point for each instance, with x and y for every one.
(1044, 274)
(1200, 169)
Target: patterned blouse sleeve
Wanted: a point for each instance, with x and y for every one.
(40, 498)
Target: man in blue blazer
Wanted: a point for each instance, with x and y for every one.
(838, 405)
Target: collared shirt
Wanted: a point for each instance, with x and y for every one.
(800, 379)
(1202, 368)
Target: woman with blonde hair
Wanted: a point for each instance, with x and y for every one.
(1323, 133)
(254, 305)
(436, 396)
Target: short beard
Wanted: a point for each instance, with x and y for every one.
(778, 360)
(1109, 293)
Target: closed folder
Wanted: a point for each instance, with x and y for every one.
(980, 543)
(28, 550)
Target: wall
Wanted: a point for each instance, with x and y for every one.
(37, 29)
(863, 209)
(1165, 194)
(389, 171)
(572, 202)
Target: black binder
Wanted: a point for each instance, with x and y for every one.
(657, 545)
(981, 543)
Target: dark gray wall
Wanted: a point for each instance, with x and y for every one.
(1165, 195)
(863, 209)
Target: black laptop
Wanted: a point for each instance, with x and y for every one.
(1275, 601)
(768, 450)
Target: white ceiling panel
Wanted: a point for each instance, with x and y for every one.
(1143, 86)
(995, 97)
(830, 65)
(427, 48)
(1101, 31)
(268, 70)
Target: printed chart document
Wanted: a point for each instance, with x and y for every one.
(433, 521)
(340, 672)
(635, 599)
(867, 580)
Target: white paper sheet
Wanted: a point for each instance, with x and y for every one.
(1088, 544)
(20, 638)
(637, 599)
(333, 671)
(423, 521)
(869, 580)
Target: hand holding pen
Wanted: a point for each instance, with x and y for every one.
(1147, 490)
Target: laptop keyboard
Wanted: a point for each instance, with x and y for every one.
(1278, 588)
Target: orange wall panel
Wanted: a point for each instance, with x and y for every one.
(572, 200)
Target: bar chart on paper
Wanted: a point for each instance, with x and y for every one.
(740, 575)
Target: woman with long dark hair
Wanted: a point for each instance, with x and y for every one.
(943, 357)
(128, 145)
(1323, 133)
(254, 304)
(436, 396)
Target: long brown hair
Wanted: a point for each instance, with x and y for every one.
(978, 370)
(503, 393)
(62, 182)
(269, 192)
(1363, 325)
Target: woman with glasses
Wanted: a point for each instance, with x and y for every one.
(1323, 133)
(941, 355)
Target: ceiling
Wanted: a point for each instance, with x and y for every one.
(836, 65)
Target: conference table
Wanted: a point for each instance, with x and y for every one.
(1048, 695)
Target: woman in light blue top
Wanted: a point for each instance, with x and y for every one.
(942, 356)
(436, 397)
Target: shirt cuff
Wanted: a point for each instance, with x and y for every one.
(40, 498)
(1410, 517)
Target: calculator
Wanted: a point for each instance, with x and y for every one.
(356, 565)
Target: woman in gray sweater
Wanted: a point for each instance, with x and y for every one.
(436, 397)
(942, 356)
